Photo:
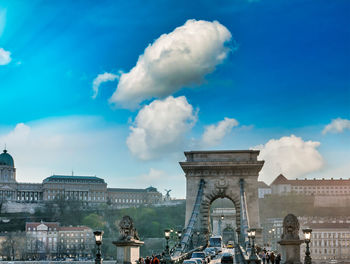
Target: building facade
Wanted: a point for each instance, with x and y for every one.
(322, 187)
(263, 189)
(49, 240)
(90, 190)
(330, 238)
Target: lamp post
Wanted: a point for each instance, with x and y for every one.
(98, 239)
(167, 257)
(253, 255)
(179, 235)
(249, 237)
(307, 234)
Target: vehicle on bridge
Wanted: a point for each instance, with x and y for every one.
(211, 252)
(201, 255)
(198, 260)
(230, 244)
(189, 261)
(216, 241)
(227, 258)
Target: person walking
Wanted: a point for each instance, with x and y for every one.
(155, 260)
(268, 257)
(263, 256)
(147, 260)
(272, 258)
(278, 258)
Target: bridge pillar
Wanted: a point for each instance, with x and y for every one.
(222, 171)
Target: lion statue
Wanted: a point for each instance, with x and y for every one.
(290, 228)
(127, 230)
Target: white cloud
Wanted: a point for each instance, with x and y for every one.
(5, 57)
(153, 176)
(160, 127)
(213, 134)
(337, 125)
(60, 145)
(180, 58)
(291, 156)
(101, 78)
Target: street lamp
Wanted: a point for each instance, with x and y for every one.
(253, 255)
(167, 257)
(307, 234)
(98, 238)
(179, 235)
(249, 237)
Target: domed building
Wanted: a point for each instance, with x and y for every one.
(87, 189)
(7, 168)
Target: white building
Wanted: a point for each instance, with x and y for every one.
(263, 189)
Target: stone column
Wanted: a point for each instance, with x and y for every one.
(128, 252)
(290, 242)
(128, 244)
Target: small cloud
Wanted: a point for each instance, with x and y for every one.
(291, 156)
(160, 127)
(101, 78)
(214, 134)
(153, 175)
(5, 57)
(180, 58)
(338, 125)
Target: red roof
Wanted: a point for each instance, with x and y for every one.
(48, 224)
(56, 225)
(280, 180)
(311, 182)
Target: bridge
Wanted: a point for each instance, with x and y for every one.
(211, 175)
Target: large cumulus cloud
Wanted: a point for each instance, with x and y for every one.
(291, 156)
(160, 127)
(180, 58)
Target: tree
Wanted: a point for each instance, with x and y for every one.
(94, 221)
(14, 247)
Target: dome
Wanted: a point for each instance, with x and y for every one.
(6, 159)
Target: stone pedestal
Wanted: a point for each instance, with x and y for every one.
(290, 251)
(128, 251)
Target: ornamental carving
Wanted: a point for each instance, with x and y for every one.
(127, 230)
(290, 228)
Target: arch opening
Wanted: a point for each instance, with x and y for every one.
(229, 202)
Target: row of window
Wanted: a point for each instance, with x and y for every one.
(330, 235)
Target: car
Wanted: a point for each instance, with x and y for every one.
(198, 260)
(189, 261)
(201, 255)
(230, 244)
(227, 258)
(211, 252)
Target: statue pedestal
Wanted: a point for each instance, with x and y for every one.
(128, 251)
(290, 251)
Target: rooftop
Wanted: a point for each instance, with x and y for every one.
(66, 178)
(310, 182)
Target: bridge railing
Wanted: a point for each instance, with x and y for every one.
(187, 255)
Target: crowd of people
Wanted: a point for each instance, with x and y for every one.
(270, 257)
(149, 260)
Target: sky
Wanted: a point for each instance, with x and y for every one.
(120, 89)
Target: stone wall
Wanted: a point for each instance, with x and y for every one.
(331, 201)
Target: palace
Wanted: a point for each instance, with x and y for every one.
(90, 190)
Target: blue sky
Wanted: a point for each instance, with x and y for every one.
(285, 72)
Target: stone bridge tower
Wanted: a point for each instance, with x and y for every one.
(222, 172)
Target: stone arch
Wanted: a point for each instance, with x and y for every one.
(208, 198)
